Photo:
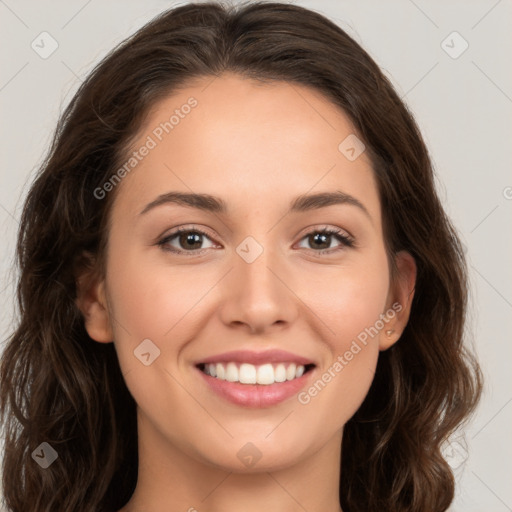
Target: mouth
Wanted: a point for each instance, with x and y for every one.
(246, 373)
(256, 379)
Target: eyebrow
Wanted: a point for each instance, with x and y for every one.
(215, 204)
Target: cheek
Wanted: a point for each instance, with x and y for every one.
(151, 301)
(347, 299)
(350, 303)
(156, 303)
(352, 340)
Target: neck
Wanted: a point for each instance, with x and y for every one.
(171, 480)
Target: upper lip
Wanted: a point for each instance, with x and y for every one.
(255, 358)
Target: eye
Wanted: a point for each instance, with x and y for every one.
(321, 239)
(188, 239)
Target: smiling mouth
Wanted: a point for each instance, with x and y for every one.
(246, 373)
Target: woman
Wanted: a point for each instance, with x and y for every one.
(238, 287)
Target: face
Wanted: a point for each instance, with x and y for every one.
(289, 295)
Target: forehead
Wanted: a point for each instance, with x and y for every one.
(254, 144)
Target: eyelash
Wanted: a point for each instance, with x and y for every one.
(340, 235)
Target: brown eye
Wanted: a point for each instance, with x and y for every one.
(185, 240)
(190, 240)
(321, 240)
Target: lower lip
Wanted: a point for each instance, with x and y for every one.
(256, 395)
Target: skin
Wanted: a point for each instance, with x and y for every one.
(257, 146)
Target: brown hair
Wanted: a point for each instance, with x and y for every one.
(61, 387)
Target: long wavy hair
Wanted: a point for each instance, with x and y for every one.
(61, 387)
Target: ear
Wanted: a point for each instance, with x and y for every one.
(91, 300)
(399, 301)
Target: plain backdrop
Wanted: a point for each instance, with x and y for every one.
(450, 62)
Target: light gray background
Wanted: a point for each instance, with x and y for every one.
(463, 106)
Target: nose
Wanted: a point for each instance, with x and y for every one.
(256, 296)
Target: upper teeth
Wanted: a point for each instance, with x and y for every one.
(250, 374)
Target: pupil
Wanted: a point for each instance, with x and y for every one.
(324, 237)
(188, 238)
(192, 238)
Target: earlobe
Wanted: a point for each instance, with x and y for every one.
(399, 300)
(91, 300)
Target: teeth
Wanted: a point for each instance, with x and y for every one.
(280, 373)
(220, 371)
(265, 374)
(232, 372)
(246, 373)
(290, 371)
